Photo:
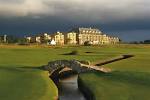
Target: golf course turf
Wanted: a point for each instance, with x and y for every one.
(22, 79)
(129, 79)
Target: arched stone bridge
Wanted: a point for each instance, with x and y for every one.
(55, 67)
(59, 66)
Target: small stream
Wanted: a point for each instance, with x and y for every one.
(69, 89)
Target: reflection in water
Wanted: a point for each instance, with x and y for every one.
(69, 89)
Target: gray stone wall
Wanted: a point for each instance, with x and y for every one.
(73, 64)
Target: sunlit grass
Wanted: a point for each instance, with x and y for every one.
(129, 79)
(20, 78)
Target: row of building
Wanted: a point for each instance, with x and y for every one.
(78, 36)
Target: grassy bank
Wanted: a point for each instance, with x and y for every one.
(19, 80)
(129, 79)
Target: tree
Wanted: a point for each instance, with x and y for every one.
(87, 43)
(22, 41)
(147, 42)
(12, 39)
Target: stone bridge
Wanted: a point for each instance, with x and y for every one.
(58, 66)
(55, 67)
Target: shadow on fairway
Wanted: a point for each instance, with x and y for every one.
(36, 68)
(20, 69)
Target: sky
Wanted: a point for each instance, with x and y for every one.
(127, 19)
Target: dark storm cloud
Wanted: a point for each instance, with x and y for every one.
(104, 10)
(120, 16)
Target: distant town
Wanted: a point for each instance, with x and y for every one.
(77, 36)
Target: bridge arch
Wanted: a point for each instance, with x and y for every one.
(55, 67)
(61, 64)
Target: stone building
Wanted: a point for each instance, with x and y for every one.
(70, 38)
(114, 40)
(33, 39)
(3, 38)
(58, 37)
(105, 39)
(78, 36)
(93, 36)
(44, 37)
(40, 38)
(29, 39)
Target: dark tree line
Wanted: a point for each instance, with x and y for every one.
(13, 39)
(146, 42)
(141, 42)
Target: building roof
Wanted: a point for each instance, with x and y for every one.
(82, 30)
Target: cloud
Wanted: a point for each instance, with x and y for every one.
(24, 8)
(79, 10)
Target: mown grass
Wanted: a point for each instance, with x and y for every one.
(129, 79)
(25, 84)
(20, 78)
(118, 86)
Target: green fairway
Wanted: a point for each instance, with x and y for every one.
(118, 85)
(25, 84)
(21, 78)
(130, 77)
